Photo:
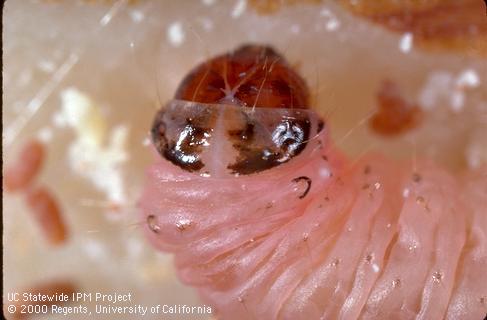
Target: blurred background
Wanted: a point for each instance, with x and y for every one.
(86, 78)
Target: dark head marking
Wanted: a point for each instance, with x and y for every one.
(289, 138)
(184, 148)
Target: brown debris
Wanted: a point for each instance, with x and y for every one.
(395, 115)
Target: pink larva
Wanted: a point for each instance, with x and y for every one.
(269, 221)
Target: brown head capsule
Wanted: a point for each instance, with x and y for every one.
(250, 76)
(240, 113)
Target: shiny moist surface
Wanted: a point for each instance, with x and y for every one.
(229, 93)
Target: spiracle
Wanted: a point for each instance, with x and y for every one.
(269, 220)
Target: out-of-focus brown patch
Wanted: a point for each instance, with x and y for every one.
(435, 24)
(52, 290)
(266, 7)
(47, 214)
(26, 167)
(395, 115)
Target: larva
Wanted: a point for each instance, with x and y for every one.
(268, 220)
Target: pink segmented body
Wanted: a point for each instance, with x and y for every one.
(302, 232)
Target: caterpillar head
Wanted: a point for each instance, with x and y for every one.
(237, 114)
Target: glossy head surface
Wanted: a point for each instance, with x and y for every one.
(239, 113)
(220, 139)
(252, 75)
